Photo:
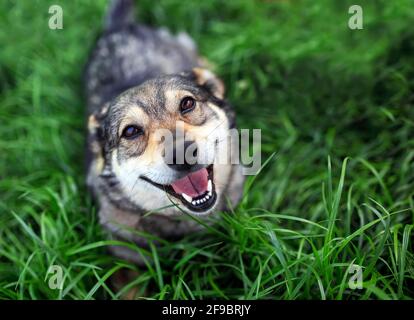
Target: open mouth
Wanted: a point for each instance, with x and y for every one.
(196, 190)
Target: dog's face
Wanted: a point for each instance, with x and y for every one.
(162, 139)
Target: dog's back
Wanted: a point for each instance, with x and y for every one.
(128, 53)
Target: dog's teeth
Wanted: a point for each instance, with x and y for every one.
(209, 186)
(187, 198)
(194, 203)
(207, 196)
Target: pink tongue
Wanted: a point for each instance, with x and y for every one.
(193, 185)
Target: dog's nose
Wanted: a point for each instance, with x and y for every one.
(184, 156)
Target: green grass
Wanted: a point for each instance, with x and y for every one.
(335, 106)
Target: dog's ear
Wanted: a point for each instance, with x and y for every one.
(96, 129)
(209, 80)
(95, 122)
(95, 145)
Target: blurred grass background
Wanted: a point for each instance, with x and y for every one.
(319, 91)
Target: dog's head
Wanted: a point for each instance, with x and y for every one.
(161, 141)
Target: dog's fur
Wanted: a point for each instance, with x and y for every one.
(138, 75)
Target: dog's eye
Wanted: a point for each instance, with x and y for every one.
(132, 132)
(187, 105)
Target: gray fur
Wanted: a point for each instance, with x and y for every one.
(132, 66)
(127, 56)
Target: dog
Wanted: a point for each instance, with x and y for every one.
(138, 81)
